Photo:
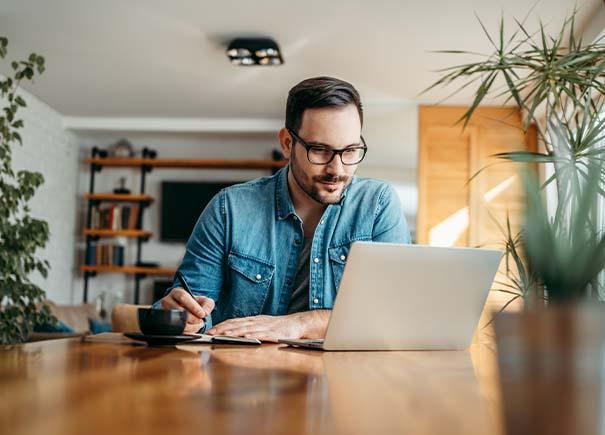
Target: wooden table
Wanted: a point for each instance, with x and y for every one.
(73, 387)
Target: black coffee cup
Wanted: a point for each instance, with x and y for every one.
(153, 321)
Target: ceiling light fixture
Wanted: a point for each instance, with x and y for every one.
(254, 51)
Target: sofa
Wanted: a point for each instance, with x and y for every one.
(76, 317)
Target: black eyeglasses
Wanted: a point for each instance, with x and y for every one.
(322, 155)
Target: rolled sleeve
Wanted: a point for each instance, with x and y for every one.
(202, 264)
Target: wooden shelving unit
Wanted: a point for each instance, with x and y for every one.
(145, 165)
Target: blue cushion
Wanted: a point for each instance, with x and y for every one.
(98, 326)
(56, 327)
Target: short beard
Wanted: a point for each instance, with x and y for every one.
(313, 192)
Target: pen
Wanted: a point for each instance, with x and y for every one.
(181, 279)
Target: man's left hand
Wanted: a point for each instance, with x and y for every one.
(264, 328)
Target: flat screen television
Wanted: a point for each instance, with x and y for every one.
(182, 204)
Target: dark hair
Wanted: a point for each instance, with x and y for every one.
(319, 92)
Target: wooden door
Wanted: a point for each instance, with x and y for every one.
(452, 209)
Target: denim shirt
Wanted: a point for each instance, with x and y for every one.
(244, 248)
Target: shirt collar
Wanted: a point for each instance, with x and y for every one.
(283, 202)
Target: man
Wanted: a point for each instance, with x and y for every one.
(266, 257)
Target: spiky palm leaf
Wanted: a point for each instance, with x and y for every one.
(558, 84)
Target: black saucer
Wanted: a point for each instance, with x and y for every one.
(160, 340)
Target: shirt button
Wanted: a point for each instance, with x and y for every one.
(297, 242)
(316, 260)
(321, 221)
(315, 301)
(343, 257)
(259, 277)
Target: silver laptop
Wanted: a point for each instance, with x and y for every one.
(408, 297)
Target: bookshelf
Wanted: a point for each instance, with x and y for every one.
(144, 166)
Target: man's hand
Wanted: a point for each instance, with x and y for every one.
(197, 308)
(308, 324)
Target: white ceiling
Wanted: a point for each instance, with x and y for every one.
(158, 58)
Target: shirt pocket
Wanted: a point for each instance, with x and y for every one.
(338, 259)
(250, 279)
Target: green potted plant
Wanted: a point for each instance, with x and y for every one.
(557, 84)
(550, 360)
(21, 302)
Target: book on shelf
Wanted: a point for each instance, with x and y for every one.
(104, 254)
(114, 217)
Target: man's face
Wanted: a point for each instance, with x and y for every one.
(332, 127)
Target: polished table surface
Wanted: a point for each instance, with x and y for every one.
(73, 387)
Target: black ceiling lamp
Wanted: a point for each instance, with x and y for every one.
(254, 51)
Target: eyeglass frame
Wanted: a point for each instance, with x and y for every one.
(308, 146)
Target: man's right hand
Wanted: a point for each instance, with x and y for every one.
(197, 307)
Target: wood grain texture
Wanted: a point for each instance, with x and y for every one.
(168, 271)
(73, 387)
(119, 197)
(116, 233)
(450, 156)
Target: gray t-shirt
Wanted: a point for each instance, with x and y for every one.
(299, 300)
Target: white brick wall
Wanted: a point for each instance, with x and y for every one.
(50, 149)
